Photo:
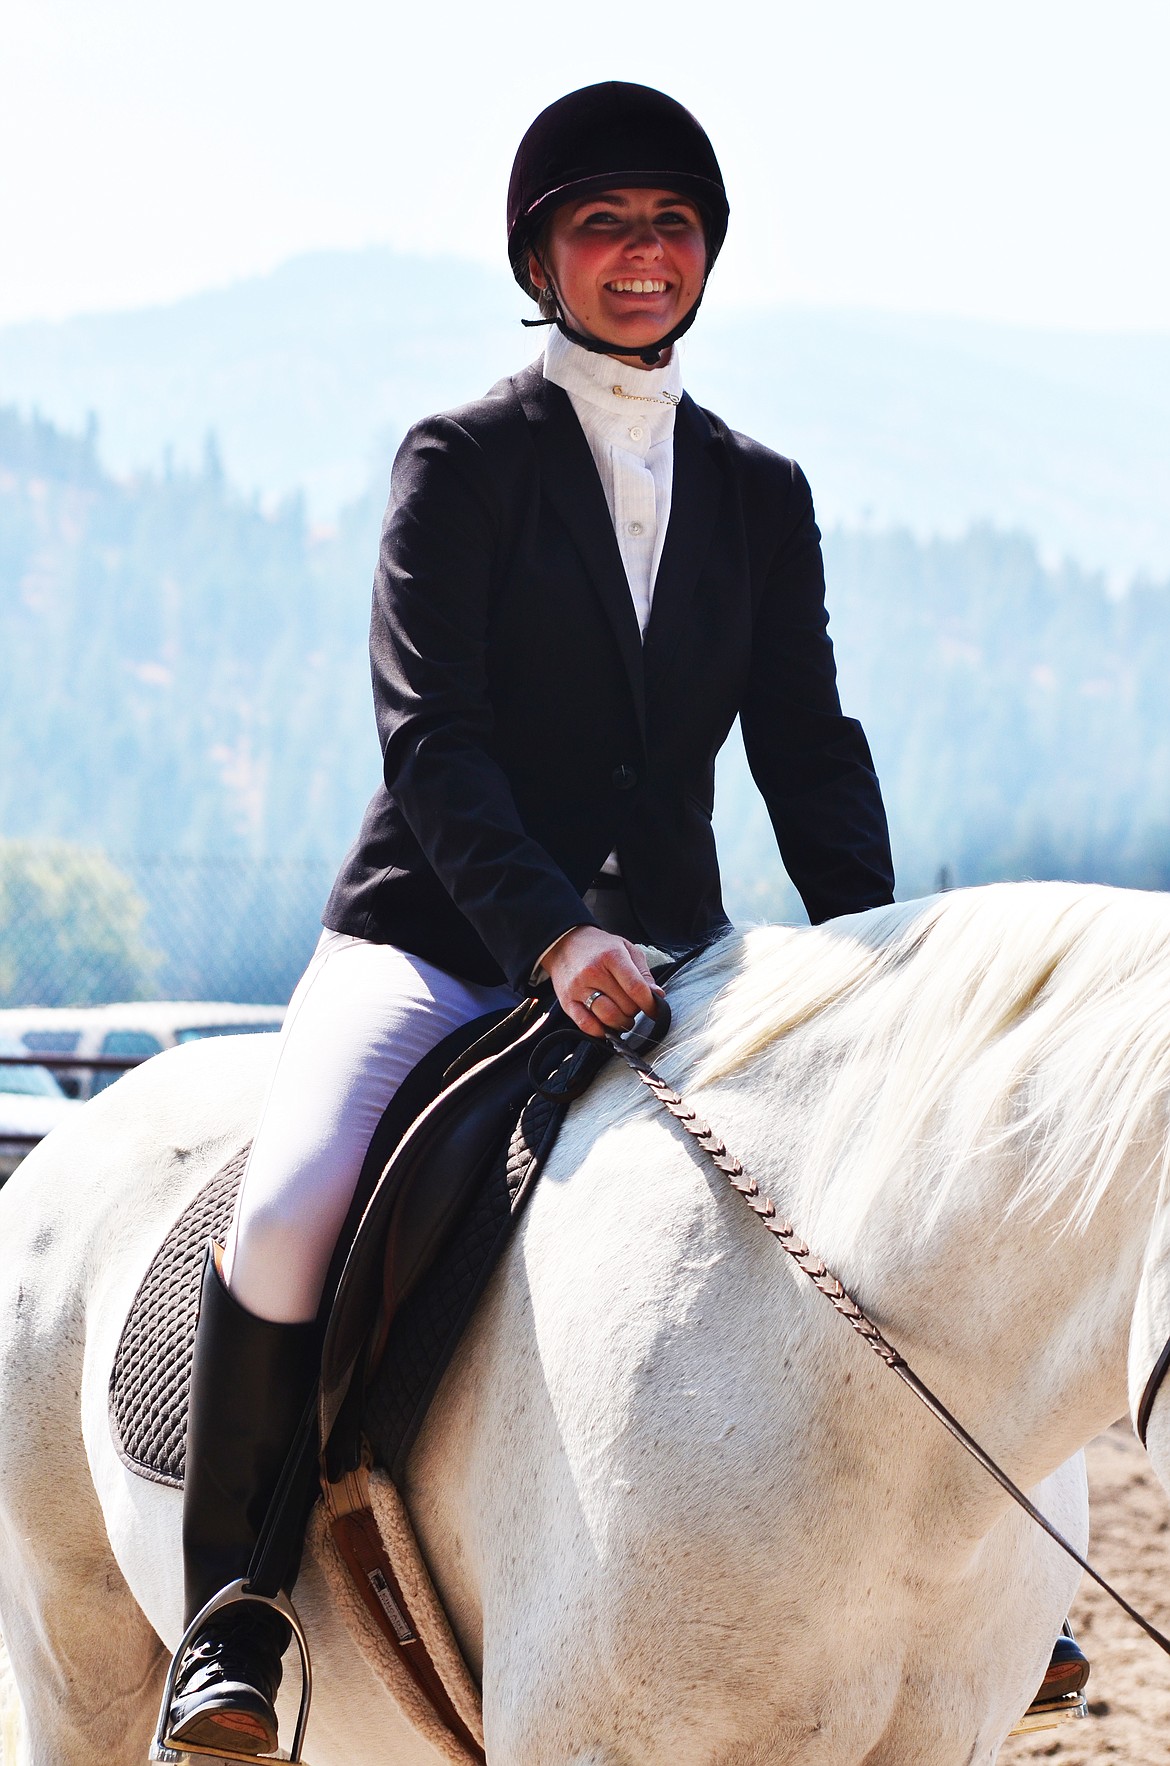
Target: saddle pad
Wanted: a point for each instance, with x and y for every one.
(151, 1378)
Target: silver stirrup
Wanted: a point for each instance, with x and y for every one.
(165, 1748)
(1052, 1714)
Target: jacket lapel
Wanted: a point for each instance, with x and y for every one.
(694, 507)
(570, 481)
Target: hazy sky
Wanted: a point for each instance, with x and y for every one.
(1006, 160)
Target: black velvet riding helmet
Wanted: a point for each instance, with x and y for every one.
(607, 137)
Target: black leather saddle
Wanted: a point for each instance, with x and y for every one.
(449, 1169)
(486, 1103)
(447, 1174)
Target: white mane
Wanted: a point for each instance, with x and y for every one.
(1023, 1020)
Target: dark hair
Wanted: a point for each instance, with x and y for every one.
(546, 302)
(545, 299)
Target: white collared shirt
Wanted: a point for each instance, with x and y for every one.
(632, 443)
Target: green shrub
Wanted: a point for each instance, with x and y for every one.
(70, 928)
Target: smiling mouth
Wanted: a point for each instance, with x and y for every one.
(636, 285)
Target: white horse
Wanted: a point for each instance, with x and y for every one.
(679, 1514)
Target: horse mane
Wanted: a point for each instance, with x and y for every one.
(1028, 1020)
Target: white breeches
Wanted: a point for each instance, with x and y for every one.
(362, 1016)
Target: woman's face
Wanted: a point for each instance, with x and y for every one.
(627, 265)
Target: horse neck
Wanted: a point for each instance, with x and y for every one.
(900, 1109)
(1025, 1323)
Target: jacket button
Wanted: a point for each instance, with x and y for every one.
(624, 778)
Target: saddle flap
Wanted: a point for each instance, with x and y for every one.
(421, 1189)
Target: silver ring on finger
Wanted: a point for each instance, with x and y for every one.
(593, 998)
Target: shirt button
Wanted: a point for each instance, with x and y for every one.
(634, 527)
(637, 432)
(624, 778)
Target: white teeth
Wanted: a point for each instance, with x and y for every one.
(634, 286)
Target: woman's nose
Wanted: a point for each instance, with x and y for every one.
(644, 242)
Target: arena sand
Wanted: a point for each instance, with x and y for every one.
(1129, 1691)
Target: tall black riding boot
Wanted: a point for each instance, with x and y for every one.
(250, 1383)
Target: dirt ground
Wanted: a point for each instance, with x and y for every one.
(1129, 1692)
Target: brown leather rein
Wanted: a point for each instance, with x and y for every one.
(789, 1240)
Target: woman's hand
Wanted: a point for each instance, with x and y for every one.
(601, 981)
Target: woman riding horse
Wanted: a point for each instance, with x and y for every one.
(584, 578)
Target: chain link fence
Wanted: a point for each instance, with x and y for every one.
(231, 928)
(83, 927)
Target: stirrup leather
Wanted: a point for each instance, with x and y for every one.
(176, 1753)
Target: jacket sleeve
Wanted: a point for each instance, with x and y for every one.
(428, 646)
(811, 763)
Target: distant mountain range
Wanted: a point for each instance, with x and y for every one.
(309, 376)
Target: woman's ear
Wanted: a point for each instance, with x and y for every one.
(536, 273)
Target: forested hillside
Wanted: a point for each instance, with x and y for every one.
(185, 673)
(307, 373)
(185, 689)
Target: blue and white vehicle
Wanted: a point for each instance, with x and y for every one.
(31, 1103)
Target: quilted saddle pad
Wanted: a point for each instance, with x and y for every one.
(151, 1379)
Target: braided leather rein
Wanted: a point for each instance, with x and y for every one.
(826, 1283)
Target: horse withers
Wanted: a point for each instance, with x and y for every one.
(677, 1512)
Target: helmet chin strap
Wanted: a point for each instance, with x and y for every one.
(651, 353)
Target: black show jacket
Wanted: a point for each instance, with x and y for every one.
(526, 729)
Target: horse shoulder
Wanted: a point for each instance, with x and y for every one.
(618, 1454)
